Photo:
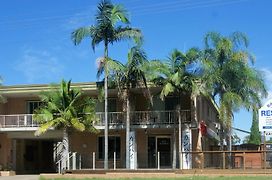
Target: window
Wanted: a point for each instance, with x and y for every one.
(171, 103)
(114, 146)
(112, 105)
(32, 105)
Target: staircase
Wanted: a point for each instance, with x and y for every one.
(70, 162)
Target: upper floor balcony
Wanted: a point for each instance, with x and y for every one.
(139, 119)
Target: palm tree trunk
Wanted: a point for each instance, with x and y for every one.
(174, 146)
(127, 129)
(180, 139)
(194, 118)
(229, 145)
(106, 133)
(65, 149)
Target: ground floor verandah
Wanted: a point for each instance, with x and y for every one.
(24, 152)
(155, 148)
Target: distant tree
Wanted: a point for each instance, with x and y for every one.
(255, 135)
(246, 139)
(65, 108)
(235, 139)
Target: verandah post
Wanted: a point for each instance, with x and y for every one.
(114, 160)
(93, 160)
(158, 160)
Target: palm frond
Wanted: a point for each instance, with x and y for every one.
(211, 39)
(119, 14)
(64, 107)
(127, 33)
(167, 89)
(81, 33)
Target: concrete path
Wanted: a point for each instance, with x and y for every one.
(20, 177)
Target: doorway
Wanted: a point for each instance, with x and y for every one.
(35, 156)
(160, 144)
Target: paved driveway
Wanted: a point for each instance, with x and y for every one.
(20, 177)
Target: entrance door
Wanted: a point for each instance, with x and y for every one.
(152, 155)
(164, 147)
(38, 156)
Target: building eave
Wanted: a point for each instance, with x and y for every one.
(35, 89)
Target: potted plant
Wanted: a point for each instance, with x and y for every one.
(6, 171)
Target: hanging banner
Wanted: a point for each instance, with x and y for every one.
(186, 148)
(265, 117)
(132, 150)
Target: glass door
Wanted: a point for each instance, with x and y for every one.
(164, 147)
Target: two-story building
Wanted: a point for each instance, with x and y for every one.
(155, 129)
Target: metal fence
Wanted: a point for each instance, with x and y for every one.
(196, 160)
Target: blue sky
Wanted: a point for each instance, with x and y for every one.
(35, 43)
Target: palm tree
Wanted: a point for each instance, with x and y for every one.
(65, 108)
(108, 31)
(230, 77)
(178, 74)
(128, 76)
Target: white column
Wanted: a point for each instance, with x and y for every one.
(132, 150)
(93, 160)
(186, 147)
(74, 161)
(158, 161)
(114, 160)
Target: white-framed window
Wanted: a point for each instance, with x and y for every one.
(32, 105)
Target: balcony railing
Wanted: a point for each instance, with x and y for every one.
(144, 117)
(115, 118)
(16, 121)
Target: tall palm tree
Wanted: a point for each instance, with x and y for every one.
(107, 31)
(178, 74)
(230, 76)
(65, 108)
(127, 76)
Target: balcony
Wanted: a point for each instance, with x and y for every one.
(115, 119)
(17, 121)
(143, 119)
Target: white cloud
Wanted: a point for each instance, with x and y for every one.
(268, 74)
(268, 80)
(39, 66)
(83, 18)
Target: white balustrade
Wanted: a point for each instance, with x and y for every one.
(115, 118)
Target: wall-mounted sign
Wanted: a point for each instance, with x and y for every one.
(265, 117)
(186, 149)
(132, 150)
